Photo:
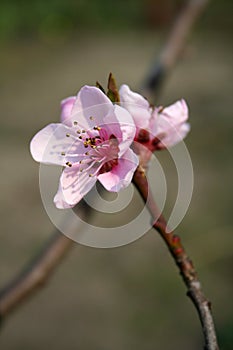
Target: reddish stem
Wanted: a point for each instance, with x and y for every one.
(182, 260)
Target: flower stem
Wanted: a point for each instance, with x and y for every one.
(182, 261)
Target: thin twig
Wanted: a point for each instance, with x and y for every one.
(173, 47)
(35, 274)
(182, 260)
(38, 271)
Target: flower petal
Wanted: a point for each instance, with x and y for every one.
(90, 107)
(175, 135)
(127, 127)
(74, 184)
(121, 174)
(169, 125)
(119, 122)
(176, 113)
(48, 145)
(66, 108)
(59, 200)
(137, 105)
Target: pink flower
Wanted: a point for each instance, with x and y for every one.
(92, 143)
(137, 105)
(157, 128)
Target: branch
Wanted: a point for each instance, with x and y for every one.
(35, 274)
(174, 46)
(182, 260)
(38, 271)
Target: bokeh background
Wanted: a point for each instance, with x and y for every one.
(130, 297)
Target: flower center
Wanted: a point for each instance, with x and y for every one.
(112, 155)
(101, 150)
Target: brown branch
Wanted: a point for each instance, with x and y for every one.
(173, 47)
(35, 275)
(182, 260)
(38, 271)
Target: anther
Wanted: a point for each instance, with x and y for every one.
(63, 154)
(69, 164)
(87, 153)
(78, 131)
(91, 118)
(80, 137)
(67, 135)
(91, 175)
(75, 123)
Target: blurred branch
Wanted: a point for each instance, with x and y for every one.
(182, 260)
(36, 273)
(174, 46)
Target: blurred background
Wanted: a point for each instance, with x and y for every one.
(130, 297)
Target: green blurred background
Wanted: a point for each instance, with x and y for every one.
(130, 297)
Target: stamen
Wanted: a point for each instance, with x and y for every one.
(72, 136)
(73, 154)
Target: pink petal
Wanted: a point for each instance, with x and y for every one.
(137, 105)
(121, 175)
(59, 200)
(73, 186)
(66, 108)
(111, 125)
(153, 123)
(90, 107)
(49, 143)
(175, 135)
(119, 122)
(127, 127)
(169, 122)
(176, 113)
